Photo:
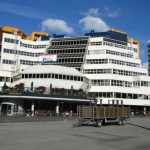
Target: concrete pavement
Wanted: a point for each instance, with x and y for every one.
(58, 135)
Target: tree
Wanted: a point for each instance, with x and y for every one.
(19, 87)
(41, 89)
(80, 90)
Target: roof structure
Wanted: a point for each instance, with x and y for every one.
(56, 83)
(52, 69)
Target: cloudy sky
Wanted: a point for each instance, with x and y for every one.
(76, 17)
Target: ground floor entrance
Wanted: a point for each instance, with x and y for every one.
(39, 106)
(6, 109)
(51, 107)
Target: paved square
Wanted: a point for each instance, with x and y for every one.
(58, 135)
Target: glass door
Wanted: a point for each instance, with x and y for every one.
(6, 109)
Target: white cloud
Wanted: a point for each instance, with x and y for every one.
(145, 65)
(93, 23)
(92, 12)
(110, 13)
(56, 26)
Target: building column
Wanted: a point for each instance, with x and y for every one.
(32, 107)
(57, 109)
(113, 95)
(0, 108)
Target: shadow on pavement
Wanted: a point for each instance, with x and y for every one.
(139, 126)
(15, 119)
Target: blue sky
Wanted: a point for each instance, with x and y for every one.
(76, 17)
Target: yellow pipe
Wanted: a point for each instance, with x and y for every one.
(136, 43)
(33, 35)
(12, 30)
(128, 39)
(113, 29)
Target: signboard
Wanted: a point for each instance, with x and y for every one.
(14, 93)
(48, 58)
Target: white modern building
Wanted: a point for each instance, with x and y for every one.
(109, 60)
(18, 52)
(113, 67)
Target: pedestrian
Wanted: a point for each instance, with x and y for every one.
(144, 113)
(132, 113)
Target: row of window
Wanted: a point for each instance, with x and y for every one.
(115, 41)
(131, 96)
(115, 45)
(119, 62)
(121, 83)
(120, 95)
(60, 62)
(11, 51)
(108, 44)
(95, 43)
(27, 62)
(136, 83)
(97, 71)
(5, 79)
(104, 82)
(70, 42)
(69, 55)
(119, 46)
(108, 82)
(8, 40)
(119, 54)
(70, 60)
(6, 61)
(97, 61)
(23, 62)
(52, 75)
(112, 61)
(66, 51)
(115, 71)
(33, 46)
(143, 83)
(127, 73)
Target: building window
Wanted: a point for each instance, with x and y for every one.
(26, 75)
(49, 75)
(56, 76)
(60, 76)
(34, 75)
(64, 77)
(45, 75)
(30, 75)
